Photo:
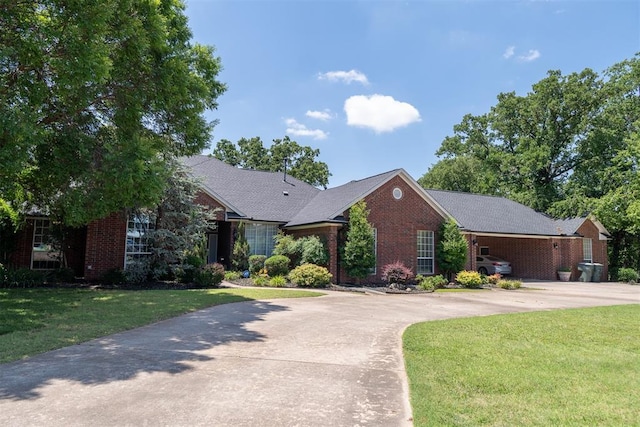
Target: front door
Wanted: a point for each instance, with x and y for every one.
(212, 253)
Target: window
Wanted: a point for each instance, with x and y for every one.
(138, 228)
(260, 238)
(587, 253)
(44, 255)
(425, 252)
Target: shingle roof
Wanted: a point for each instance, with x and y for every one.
(569, 226)
(329, 204)
(260, 195)
(250, 193)
(490, 214)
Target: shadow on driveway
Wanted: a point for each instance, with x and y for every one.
(167, 346)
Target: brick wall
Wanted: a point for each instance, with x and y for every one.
(599, 247)
(329, 236)
(397, 223)
(206, 200)
(106, 240)
(530, 258)
(21, 255)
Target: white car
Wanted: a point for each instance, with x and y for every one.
(487, 264)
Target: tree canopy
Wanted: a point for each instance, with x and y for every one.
(301, 161)
(568, 148)
(94, 95)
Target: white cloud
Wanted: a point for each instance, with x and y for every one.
(379, 112)
(532, 55)
(320, 115)
(508, 53)
(344, 76)
(298, 129)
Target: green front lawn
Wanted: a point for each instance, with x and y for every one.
(37, 320)
(570, 367)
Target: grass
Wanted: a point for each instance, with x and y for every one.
(33, 321)
(562, 368)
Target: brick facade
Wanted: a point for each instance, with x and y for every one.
(329, 236)
(106, 241)
(100, 246)
(397, 223)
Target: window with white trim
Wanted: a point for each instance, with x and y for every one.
(137, 246)
(587, 250)
(260, 237)
(44, 254)
(425, 252)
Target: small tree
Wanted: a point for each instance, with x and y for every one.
(359, 252)
(180, 222)
(241, 250)
(452, 249)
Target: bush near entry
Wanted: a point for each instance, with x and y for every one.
(310, 275)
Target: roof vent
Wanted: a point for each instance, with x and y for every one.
(286, 193)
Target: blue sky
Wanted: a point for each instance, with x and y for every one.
(378, 85)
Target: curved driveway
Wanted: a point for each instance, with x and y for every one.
(329, 361)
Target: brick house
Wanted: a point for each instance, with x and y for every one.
(405, 218)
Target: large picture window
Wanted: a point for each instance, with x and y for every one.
(260, 237)
(44, 254)
(138, 228)
(425, 252)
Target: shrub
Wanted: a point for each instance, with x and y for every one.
(396, 272)
(278, 281)
(312, 251)
(310, 275)
(115, 276)
(452, 248)
(241, 250)
(494, 279)
(509, 284)
(210, 275)
(256, 263)
(288, 246)
(20, 278)
(62, 275)
(469, 279)
(277, 265)
(137, 272)
(231, 275)
(431, 283)
(628, 275)
(261, 281)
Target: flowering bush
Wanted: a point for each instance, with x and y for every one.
(494, 279)
(396, 272)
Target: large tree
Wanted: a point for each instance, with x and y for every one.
(301, 161)
(94, 95)
(567, 148)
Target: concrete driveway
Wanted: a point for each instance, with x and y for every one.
(335, 360)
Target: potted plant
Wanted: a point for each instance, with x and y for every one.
(564, 273)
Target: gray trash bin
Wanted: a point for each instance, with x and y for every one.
(597, 272)
(587, 271)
